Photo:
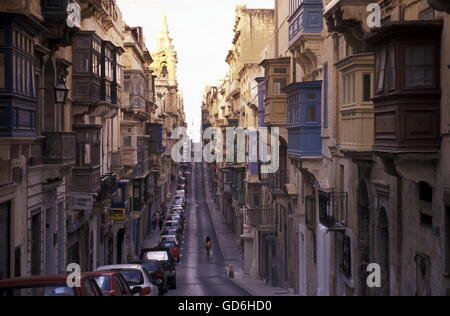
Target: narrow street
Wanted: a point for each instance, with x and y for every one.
(198, 275)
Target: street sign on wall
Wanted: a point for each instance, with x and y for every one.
(83, 202)
(116, 214)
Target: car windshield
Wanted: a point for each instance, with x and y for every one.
(168, 245)
(103, 283)
(157, 255)
(58, 290)
(150, 266)
(132, 276)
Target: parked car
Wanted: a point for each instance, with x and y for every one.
(173, 225)
(137, 277)
(177, 207)
(177, 218)
(181, 186)
(164, 256)
(171, 232)
(179, 201)
(167, 238)
(49, 286)
(157, 273)
(111, 283)
(173, 247)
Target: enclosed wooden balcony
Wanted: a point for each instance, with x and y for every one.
(356, 114)
(86, 179)
(59, 148)
(408, 89)
(86, 173)
(276, 78)
(142, 167)
(305, 119)
(25, 7)
(116, 160)
(155, 133)
(305, 17)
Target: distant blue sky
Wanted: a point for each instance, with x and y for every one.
(202, 31)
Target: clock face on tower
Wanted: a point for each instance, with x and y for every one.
(74, 15)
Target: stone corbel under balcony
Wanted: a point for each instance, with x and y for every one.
(306, 51)
(345, 17)
(415, 167)
(440, 5)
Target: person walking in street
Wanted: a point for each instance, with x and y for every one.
(161, 222)
(155, 221)
(208, 246)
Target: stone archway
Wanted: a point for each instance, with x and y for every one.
(363, 235)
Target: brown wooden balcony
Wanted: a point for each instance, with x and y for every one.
(29, 7)
(59, 148)
(116, 160)
(407, 102)
(86, 179)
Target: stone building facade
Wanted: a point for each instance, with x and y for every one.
(363, 118)
(79, 153)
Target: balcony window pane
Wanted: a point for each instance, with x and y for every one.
(367, 84)
(280, 70)
(312, 114)
(419, 62)
(278, 84)
(87, 154)
(82, 63)
(127, 141)
(381, 67)
(2, 71)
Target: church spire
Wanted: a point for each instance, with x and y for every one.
(164, 40)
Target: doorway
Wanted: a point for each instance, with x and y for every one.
(363, 236)
(36, 229)
(50, 239)
(5, 240)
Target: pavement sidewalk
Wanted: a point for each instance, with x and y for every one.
(231, 249)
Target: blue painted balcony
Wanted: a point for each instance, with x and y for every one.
(306, 16)
(305, 119)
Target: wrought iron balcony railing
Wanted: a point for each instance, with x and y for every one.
(263, 219)
(277, 181)
(59, 148)
(333, 210)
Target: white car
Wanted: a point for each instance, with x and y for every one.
(170, 238)
(137, 277)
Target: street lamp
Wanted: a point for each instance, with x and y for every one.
(61, 92)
